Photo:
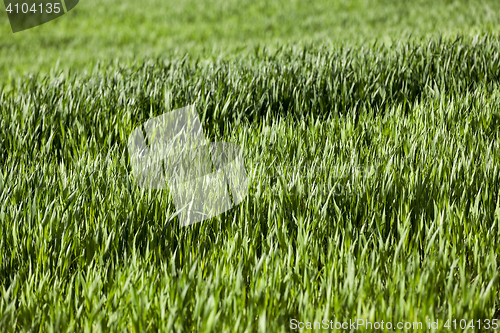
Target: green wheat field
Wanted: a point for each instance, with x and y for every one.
(370, 132)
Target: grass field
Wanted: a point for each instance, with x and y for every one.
(129, 31)
(371, 142)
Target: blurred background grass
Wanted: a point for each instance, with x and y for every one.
(128, 31)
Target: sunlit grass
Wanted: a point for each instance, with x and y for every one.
(373, 192)
(131, 30)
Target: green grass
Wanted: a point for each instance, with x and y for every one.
(371, 142)
(373, 192)
(127, 31)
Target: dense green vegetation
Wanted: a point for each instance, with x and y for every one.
(128, 31)
(372, 159)
(374, 181)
